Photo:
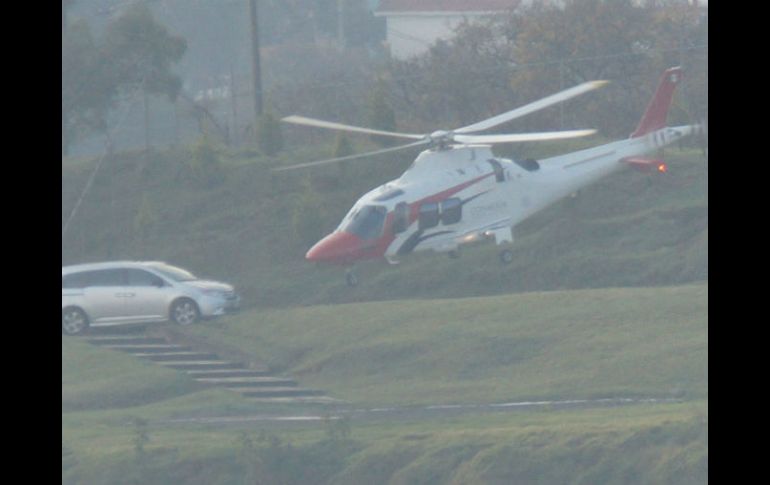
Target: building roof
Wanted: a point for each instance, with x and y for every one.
(446, 5)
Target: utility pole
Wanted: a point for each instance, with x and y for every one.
(233, 105)
(341, 24)
(256, 71)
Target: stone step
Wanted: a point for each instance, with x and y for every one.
(147, 348)
(231, 382)
(125, 340)
(187, 365)
(295, 400)
(275, 391)
(183, 356)
(256, 372)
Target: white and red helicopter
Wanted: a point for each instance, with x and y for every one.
(457, 191)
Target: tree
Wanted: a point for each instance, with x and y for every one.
(135, 52)
(141, 52)
(543, 47)
(308, 216)
(269, 137)
(381, 115)
(87, 88)
(342, 146)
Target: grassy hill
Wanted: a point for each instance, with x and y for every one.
(541, 345)
(233, 219)
(96, 378)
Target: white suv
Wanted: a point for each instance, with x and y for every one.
(125, 292)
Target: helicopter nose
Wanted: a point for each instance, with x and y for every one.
(338, 247)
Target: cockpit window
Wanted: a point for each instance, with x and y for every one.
(367, 223)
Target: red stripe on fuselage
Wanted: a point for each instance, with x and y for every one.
(326, 250)
(414, 207)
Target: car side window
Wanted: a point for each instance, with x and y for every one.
(138, 277)
(105, 277)
(75, 280)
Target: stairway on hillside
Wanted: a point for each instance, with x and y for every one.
(256, 382)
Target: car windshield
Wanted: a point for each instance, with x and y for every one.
(367, 222)
(176, 274)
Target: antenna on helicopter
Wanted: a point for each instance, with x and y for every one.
(442, 138)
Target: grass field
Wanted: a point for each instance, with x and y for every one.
(625, 342)
(542, 345)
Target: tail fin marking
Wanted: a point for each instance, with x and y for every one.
(655, 115)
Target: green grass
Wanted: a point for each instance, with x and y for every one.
(635, 444)
(540, 345)
(96, 378)
(549, 345)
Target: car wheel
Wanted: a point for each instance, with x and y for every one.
(184, 312)
(506, 256)
(73, 321)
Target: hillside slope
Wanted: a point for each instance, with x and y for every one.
(624, 342)
(592, 343)
(234, 220)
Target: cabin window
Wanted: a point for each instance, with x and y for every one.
(451, 211)
(429, 216)
(400, 217)
(367, 223)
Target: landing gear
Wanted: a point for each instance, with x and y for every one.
(506, 256)
(350, 278)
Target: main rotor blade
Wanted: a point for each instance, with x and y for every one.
(349, 157)
(532, 107)
(519, 137)
(302, 120)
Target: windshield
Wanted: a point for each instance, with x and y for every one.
(174, 273)
(367, 222)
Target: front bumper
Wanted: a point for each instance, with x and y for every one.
(212, 306)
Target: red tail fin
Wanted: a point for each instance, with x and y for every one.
(655, 116)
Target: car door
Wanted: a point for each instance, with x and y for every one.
(104, 295)
(148, 298)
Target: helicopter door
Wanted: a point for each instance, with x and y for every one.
(429, 216)
(400, 218)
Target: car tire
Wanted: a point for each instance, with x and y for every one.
(506, 256)
(74, 321)
(184, 312)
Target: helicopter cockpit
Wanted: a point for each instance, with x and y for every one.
(365, 222)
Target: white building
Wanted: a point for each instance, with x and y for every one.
(414, 25)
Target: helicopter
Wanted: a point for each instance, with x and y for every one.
(457, 191)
